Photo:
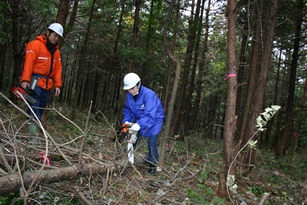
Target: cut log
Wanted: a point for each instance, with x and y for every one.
(12, 182)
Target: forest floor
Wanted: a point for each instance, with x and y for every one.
(190, 174)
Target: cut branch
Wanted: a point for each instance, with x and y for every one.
(12, 182)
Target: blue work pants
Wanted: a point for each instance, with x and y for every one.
(152, 144)
(42, 98)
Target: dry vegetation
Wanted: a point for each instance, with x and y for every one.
(190, 175)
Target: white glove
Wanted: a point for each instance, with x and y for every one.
(130, 123)
(135, 127)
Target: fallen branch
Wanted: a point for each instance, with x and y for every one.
(12, 182)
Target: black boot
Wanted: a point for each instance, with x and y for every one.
(152, 169)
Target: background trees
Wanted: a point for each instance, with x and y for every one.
(106, 39)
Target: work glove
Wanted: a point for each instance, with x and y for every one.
(135, 127)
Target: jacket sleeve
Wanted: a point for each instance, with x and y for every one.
(58, 70)
(32, 50)
(127, 112)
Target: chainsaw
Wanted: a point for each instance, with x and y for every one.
(25, 93)
(130, 136)
(28, 92)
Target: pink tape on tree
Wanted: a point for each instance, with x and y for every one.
(45, 157)
(230, 75)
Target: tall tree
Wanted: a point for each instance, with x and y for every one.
(72, 17)
(186, 69)
(82, 61)
(253, 71)
(261, 78)
(15, 5)
(171, 104)
(195, 67)
(135, 30)
(63, 12)
(295, 57)
(230, 115)
(2, 56)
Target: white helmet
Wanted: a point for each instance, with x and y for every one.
(130, 80)
(58, 28)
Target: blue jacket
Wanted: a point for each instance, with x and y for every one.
(146, 110)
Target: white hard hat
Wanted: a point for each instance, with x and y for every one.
(130, 80)
(58, 28)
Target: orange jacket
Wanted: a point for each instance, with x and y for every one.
(38, 61)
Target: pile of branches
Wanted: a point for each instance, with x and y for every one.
(31, 160)
(61, 169)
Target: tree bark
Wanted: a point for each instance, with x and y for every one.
(230, 115)
(63, 12)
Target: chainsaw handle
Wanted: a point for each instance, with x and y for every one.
(125, 127)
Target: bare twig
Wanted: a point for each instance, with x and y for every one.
(265, 196)
(82, 197)
(136, 170)
(85, 133)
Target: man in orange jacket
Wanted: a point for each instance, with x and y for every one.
(43, 65)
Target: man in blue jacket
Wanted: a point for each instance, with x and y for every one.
(144, 110)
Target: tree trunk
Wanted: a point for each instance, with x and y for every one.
(268, 139)
(172, 46)
(230, 115)
(88, 87)
(242, 67)
(191, 90)
(72, 17)
(118, 77)
(11, 183)
(63, 12)
(299, 118)
(15, 4)
(211, 117)
(175, 86)
(184, 79)
(82, 63)
(246, 158)
(135, 29)
(2, 57)
(201, 68)
(144, 75)
(281, 150)
(253, 73)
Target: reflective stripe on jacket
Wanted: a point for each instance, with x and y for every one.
(146, 110)
(38, 61)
